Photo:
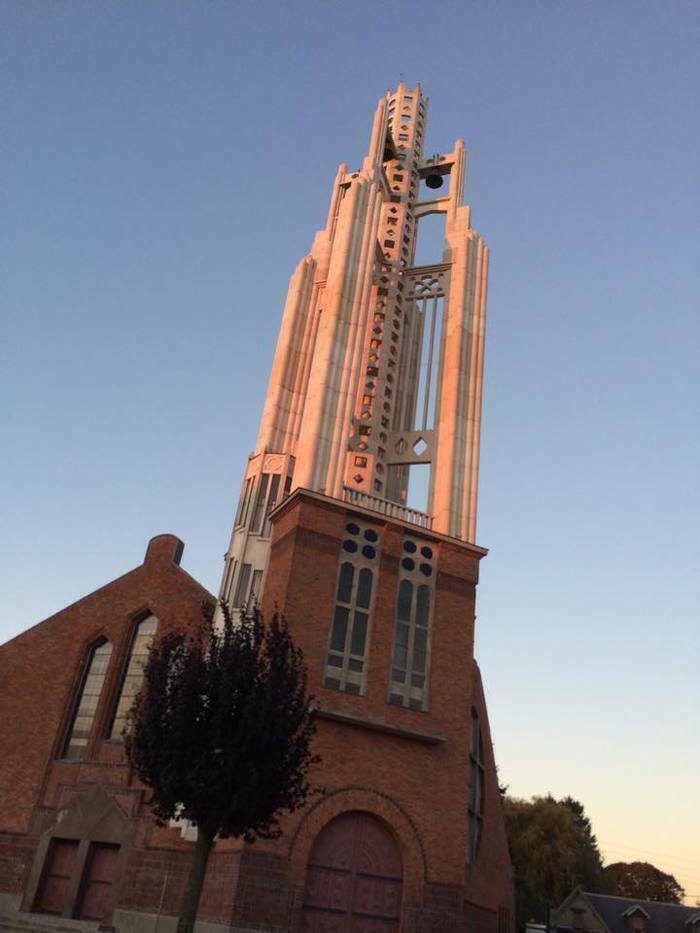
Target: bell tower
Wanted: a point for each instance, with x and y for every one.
(377, 373)
(379, 361)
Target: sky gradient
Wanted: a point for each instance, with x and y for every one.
(165, 165)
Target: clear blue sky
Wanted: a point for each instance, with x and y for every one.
(164, 167)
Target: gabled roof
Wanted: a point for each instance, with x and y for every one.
(661, 918)
(636, 909)
(163, 556)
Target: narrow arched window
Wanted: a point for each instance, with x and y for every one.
(403, 628)
(476, 786)
(410, 664)
(346, 661)
(85, 704)
(142, 640)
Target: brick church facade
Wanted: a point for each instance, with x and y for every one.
(378, 369)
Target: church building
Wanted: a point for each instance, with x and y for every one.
(376, 382)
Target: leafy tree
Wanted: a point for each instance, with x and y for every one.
(221, 733)
(553, 849)
(588, 866)
(643, 882)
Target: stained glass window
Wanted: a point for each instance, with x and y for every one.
(408, 680)
(86, 703)
(133, 676)
(346, 661)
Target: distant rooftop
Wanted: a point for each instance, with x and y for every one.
(660, 917)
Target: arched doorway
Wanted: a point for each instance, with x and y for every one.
(354, 878)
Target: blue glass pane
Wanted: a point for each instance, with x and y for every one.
(340, 625)
(359, 634)
(364, 589)
(345, 579)
(403, 604)
(423, 606)
(400, 656)
(419, 646)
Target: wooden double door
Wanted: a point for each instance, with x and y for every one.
(58, 884)
(354, 878)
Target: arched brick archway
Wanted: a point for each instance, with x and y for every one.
(354, 878)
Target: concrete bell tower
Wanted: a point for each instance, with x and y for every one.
(377, 372)
(379, 361)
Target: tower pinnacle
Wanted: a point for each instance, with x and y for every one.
(378, 365)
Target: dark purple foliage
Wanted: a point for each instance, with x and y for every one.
(221, 731)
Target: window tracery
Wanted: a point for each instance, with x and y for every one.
(87, 700)
(410, 668)
(144, 633)
(348, 655)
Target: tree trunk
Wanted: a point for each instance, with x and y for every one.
(188, 912)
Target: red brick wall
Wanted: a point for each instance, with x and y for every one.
(41, 671)
(419, 789)
(15, 859)
(490, 879)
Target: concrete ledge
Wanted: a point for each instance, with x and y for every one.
(9, 905)
(13, 920)
(22, 922)
(137, 921)
(376, 726)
